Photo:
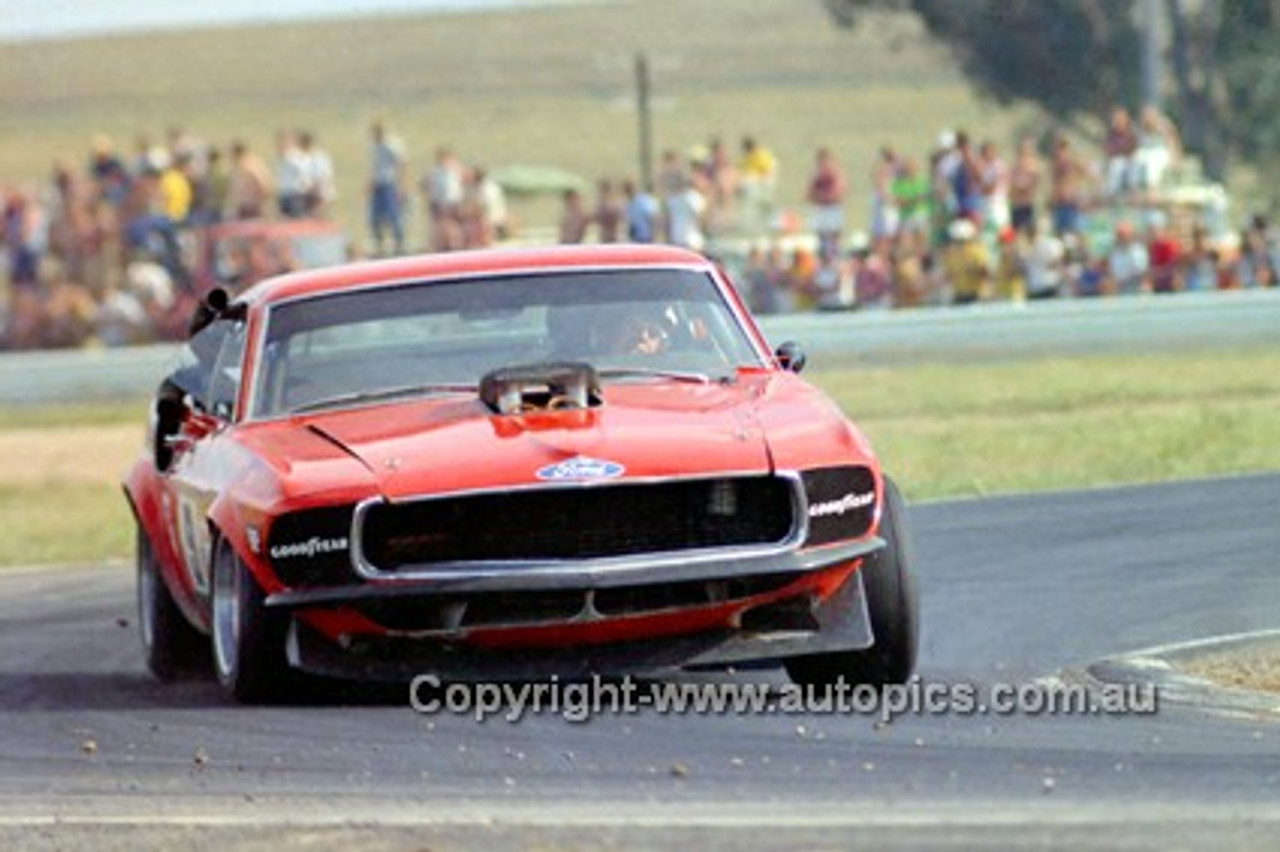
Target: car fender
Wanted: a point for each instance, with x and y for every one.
(144, 492)
(244, 529)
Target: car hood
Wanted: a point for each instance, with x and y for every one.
(641, 430)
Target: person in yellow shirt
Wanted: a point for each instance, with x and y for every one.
(800, 279)
(966, 263)
(757, 177)
(757, 161)
(175, 190)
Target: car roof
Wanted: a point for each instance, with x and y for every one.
(465, 264)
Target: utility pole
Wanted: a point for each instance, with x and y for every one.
(1152, 62)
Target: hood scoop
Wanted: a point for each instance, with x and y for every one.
(556, 386)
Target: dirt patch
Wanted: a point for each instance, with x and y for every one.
(1256, 668)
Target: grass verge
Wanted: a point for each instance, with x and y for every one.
(970, 430)
(941, 430)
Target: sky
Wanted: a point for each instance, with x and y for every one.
(33, 19)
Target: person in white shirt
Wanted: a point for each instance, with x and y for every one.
(292, 180)
(322, 189)
(1043, 263)
(685, 212)
(1127, 262)
(443, 188)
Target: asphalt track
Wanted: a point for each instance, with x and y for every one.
(93, 755)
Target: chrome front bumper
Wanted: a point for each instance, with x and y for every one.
(584, 574)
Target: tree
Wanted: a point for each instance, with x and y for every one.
(1246, 58)
(1077, 58)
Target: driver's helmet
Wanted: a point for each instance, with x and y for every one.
(630, 329)
(609, 329)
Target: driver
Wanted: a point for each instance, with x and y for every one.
(631, 330)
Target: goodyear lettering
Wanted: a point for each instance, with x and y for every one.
(847, 503)
(309, 548)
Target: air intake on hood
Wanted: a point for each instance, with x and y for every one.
(540, 387)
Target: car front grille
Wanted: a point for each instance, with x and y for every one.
(565, 523)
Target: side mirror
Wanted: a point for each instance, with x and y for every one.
(790, 356)
(213, 305)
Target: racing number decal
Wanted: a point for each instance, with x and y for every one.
(193, 535)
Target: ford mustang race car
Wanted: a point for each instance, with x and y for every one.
(509, 464)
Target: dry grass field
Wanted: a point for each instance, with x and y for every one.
(550, 86)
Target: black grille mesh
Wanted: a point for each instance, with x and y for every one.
(580, 523)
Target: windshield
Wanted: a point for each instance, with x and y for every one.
(442, 336)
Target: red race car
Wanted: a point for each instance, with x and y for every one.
(509, 464)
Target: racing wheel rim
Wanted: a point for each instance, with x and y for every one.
(226, 612)
(146, 597)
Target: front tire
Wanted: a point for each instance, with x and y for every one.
(890, 587)
(171, 646)
(248, 639)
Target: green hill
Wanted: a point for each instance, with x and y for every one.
(551, 86)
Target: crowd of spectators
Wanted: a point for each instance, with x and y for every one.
(690, 198)
(465, 206)
(100, 251)
(103, 251)
(965, 224)
(968, 225)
